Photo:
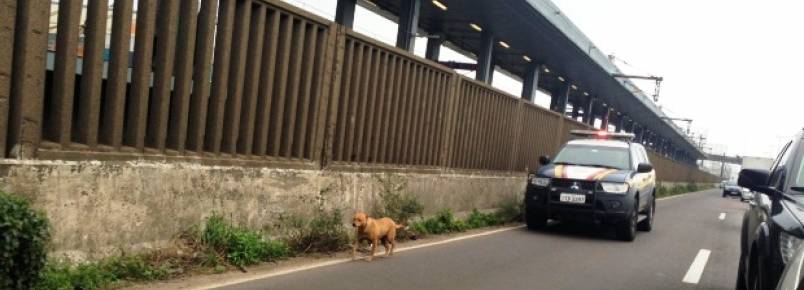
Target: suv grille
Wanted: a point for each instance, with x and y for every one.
(567, 183)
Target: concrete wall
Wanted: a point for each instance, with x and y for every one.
(102, 208)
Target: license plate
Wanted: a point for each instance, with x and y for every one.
(572, 198)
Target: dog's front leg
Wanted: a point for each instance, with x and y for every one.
(354, 246)
(374, 243)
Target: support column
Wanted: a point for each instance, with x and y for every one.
(434, 47)
(345, 12)
(484, 56)
(408, 24)
(561, 99)
(620, 123)
(589, 111)
(530, 84)
(576, 111)
(605, 119)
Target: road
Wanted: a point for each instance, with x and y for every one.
(561, 257)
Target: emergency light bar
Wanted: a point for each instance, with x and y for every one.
(605, 135)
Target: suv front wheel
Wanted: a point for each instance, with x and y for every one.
(626, 230)
(535, 221)
(646, 225)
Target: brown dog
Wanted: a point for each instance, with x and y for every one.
(374, 230)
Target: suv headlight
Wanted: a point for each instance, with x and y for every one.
(540, 181)
(788, 244)
(614, 187)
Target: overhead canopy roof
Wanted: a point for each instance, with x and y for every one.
(538, 29)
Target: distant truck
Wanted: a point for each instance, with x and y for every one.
(756, 163)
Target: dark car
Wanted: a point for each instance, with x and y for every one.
(773, 227)
(603, 178)
(730, 188)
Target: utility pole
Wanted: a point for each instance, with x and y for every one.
(723, 165)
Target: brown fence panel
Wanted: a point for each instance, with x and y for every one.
(28, 77)
(390, 106)
(260, 94)
(537, 136)
(670, 171)
(486, 125)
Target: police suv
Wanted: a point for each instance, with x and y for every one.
(599, 178)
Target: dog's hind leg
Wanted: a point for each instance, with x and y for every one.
(387, 245)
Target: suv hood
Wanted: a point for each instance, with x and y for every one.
(584, 173)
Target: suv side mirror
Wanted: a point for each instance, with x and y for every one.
(755, 180)
(644, 168)
(544, 160)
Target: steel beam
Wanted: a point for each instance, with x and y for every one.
(589, 111)
(345, 12)
(561, 99)
(434, 47)
(530, 84)
(485, 69)
(408, 24)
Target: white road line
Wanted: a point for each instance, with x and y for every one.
(341, 261)
(696, 269)
(722, 216)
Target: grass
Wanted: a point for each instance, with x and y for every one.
(445, 222)
(219, 245)
(664, 191)
(324, 233)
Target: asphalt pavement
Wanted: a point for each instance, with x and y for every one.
(694, 245)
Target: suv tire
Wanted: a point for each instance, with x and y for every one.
(626, 230)
(535, 221)
(646, 225)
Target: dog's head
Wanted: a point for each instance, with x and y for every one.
(359, 219)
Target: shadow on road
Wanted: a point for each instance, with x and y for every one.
(576, 230)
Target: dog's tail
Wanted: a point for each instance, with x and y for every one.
(401, 226)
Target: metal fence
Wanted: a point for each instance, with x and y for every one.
(255, 81)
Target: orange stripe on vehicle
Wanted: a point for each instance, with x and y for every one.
(593, 175)
(603, 174)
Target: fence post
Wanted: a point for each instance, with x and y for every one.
(519, 128)
(330, 97)
(8, 12)
(559, 135)
(28, 78)
(447, 147)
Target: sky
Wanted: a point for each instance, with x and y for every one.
(730, 65)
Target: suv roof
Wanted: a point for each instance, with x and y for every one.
(598, 142)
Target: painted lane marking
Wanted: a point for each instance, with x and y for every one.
(697, 267)
(345, 260)
(722, 216)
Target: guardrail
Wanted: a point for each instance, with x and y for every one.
(252, 82)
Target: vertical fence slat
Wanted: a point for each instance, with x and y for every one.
(372, 111)
(419, 121)
(86, 123)
(291, 104)
(354, 99)
(395, 151)
(365, 95)
(278, 113)
(234, 100)
(185, 51)
(310, 48)
(199, 99)
(137, 104)
(367, 107)
(8, 13)
(266, 89)
(381, 114)
(390, 105)
(220, 77)
(58, 127)
(251, 90)
(343, 100)
(111, 131)
(159, 104)
(28, 79)
(328, 73)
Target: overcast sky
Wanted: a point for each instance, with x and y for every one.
(731, 65)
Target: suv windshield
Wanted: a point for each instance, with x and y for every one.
(594, 156)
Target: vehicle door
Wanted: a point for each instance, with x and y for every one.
(761, 206)
(640, 180)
